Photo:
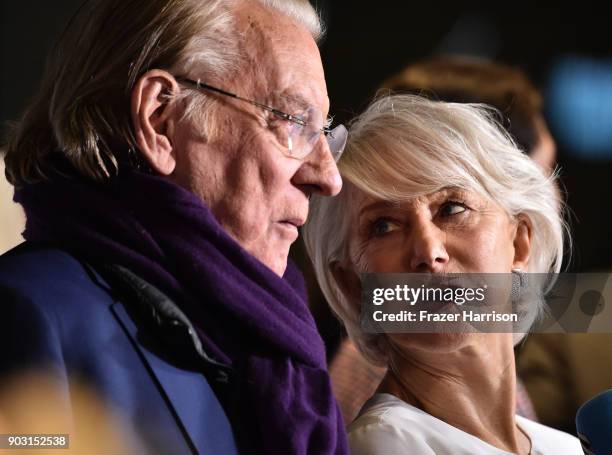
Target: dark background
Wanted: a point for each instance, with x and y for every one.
(367, 41)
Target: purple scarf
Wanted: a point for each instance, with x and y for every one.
(246, 314)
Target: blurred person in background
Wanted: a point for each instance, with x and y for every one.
(463, 79)
(436, 187)
(165, 166)
(562, 371)
(11, 214)
(459, 79)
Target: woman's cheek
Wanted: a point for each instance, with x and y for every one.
(386, 256)
(480, 251)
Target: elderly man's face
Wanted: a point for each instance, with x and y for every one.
(257, 192)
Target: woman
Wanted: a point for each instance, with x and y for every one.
(459, 79)
(433, 187)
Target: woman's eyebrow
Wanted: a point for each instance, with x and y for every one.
(375, 206)
(432, 197)
(449, 190)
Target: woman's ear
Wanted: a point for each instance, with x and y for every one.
(153, 117)
(522, 243)
(348, 281)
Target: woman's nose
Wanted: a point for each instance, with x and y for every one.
(427, 248)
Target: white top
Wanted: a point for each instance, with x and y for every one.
(390, 426)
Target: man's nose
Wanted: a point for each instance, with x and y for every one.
(427, 249)
(318, 173)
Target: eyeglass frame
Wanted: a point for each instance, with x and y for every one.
(199, 85)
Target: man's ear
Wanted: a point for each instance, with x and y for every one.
(522, 243)
(152, 119)
(348, 281)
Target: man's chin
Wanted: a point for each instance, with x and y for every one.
(275, 257)
(279, 265)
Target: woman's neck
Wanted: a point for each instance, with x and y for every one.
(473, 389)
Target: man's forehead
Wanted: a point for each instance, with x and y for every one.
(281, 57)
(294, 84)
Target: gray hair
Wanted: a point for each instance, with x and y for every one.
(404, 146)
(82, 107)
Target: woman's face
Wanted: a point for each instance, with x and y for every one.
(449, 231)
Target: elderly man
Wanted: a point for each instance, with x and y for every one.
(165, 167)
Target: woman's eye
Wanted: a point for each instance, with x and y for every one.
(452, 208)
(383, 226)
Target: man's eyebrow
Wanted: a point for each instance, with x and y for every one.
(292, 99)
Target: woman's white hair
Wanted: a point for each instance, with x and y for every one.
(404, 146)
(82, 107)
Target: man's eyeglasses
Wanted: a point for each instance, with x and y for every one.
(302, 131)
